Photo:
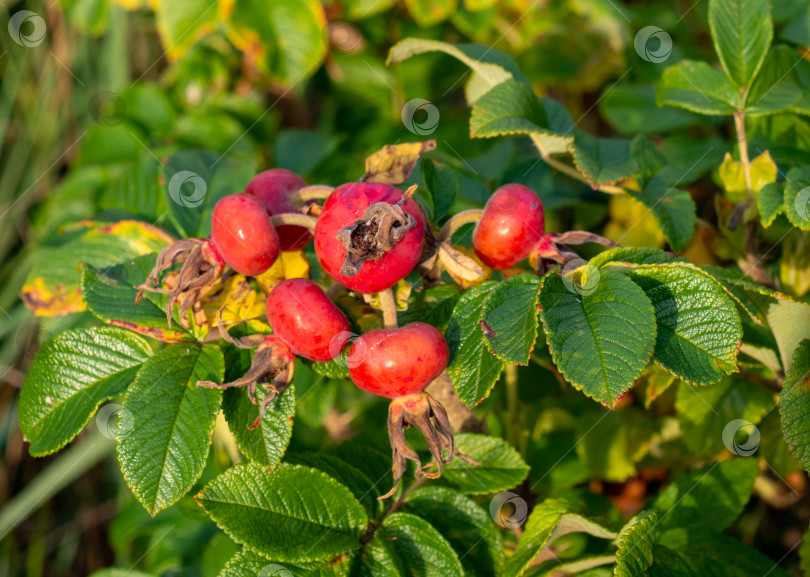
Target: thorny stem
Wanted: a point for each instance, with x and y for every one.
(389, 308)
(456, 221)
(295, 219)
(570, 170)
(752, 257)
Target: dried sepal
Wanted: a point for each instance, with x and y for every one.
(427, 415)
(372, 235)
(201, 270)
(273, 363)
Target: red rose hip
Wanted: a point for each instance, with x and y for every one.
(511, 226)
(276, 189)
(302, 316)
(243, 234)
(395, 363)
(343, 208)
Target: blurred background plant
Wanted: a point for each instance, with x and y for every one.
(93, 106)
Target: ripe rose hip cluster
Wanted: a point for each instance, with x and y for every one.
(367, 237)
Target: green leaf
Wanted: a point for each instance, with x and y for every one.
(741, 31)
(246, 563)
(294, 514)
(603, 160)
(632, 255)
(699, 330)
(301, 151)
(770, 203)
(501, 466)
(428, 13)
(285, 39)
(774, 88)
(549, 520)
(698, 87)
(790, 323)
(72, 374)
(433, 306)
(797, 197)
(52, 286)
(794, 405)
(442, 183)
(352, 478)
(711, 497)
(705, 413)
(265, 444)
(610, 443)
(773, 448)
(489, 65)
(510, 310)
(181, 23)
(407, 546)
(468, 528)
(110, 295)
(700, 551)
(601, 332)
(473, 369)
(195, 180)
(173, 422)
(672, 207)
(635, 543)
(631, 110)
(509, 108)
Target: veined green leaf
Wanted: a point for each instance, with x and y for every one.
(172, 423)
(473, 369)
(72, 374)
(601, 331)
(741, 31)
(294, 514)
(501, 466)
(794, 405)
(510, 310)
(698, 87)
(636, 541)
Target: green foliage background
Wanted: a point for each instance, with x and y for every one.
(122, 94)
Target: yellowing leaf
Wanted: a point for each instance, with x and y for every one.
(52, 287)
(393, 164)
(238, 302)
(763, 171)
(632, 223)
(288, 265)
(462, 265)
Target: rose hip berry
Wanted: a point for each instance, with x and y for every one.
(398, 362)
(302, 316)
(276, 189)
(369, 236)
(512, 224)
(243, 234)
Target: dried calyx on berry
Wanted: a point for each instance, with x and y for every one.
(201, 270)
(399, 363)
(428, 415)
(375, 233)
(273, 363)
